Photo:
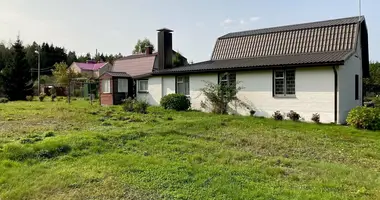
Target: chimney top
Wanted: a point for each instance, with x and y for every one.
(148, 50)
(165, 30)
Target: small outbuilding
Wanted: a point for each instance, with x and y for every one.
(115, 87)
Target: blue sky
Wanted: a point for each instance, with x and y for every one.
(115, 25)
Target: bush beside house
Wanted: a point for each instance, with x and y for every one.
(178, 102)
(364, 118)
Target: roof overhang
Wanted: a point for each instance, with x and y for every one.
(253, 68)
(116, 74)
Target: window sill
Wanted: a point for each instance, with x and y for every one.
(143, 92)
(285, 97)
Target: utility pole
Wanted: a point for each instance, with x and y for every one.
(39, 69)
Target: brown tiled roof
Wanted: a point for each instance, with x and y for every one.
(318, 43)
(324, 36)
(315, 59)
(135, 65)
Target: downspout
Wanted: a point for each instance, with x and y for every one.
(335, 94)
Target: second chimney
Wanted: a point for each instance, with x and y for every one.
(148, 50)
(165, 50)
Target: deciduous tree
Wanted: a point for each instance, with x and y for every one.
(141, 45)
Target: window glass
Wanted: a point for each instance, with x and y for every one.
(143, 85)
(122, 85)
(106, 86)
(183, 85)
(284, 83)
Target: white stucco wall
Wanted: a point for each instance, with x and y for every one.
(314, 92)
(346, 83)
(196, 82)
(154, 93)
(168, 85)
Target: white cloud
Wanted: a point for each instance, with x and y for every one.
(227, 22)
(231, 22)
(253, 19)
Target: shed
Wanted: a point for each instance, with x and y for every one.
(115, 87)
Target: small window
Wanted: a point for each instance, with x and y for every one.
(183, 86)
(106, 86)
(227, 79)
(227, 82)
(356, 87)
(143, 86)
(284, 83)
(122, 85)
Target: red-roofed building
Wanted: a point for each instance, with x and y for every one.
(91, 68)
(138, 67)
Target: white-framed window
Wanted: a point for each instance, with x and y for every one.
(142, 86)
(106, 86)
(284, 82)
(122, 85)
(183, 85)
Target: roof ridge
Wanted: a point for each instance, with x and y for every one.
(292, 27)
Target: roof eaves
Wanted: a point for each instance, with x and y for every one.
(147, 75)
(264, 67)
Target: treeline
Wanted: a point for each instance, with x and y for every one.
(18, 65)
(51, 54)
(371, 85)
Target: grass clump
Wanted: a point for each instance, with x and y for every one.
(29, 98)
(3, 100)
(134, 105)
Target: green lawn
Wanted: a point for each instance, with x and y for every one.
(53, 150)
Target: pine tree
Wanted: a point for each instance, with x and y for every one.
(16, 77)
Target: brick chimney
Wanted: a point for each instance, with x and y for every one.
(165, 50)
(148, 50)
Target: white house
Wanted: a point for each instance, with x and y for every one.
(309, 68)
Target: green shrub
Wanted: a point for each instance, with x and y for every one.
(4, 100)
(29, 98)
(49, 134)
(316, 118)
(42, 96)
(176, 102)
(278, 116)
(77, 93)
(134, 105)
(252, 112)
(219, 97)
(293, 116)
(140, 107)
(364, 118)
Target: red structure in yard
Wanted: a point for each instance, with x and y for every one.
(115, 87)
